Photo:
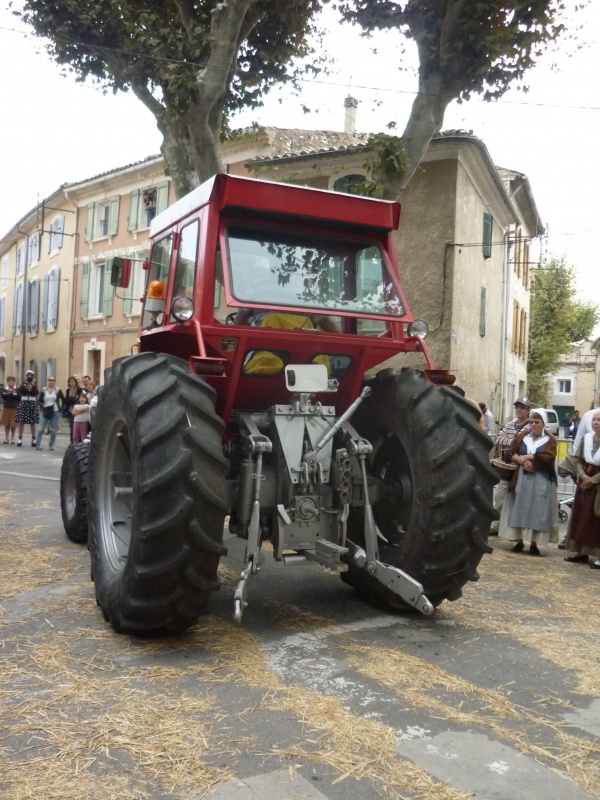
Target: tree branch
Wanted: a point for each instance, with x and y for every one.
(186, 15)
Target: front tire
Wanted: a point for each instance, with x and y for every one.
(74, 492)
(431, 460)
(157, 495)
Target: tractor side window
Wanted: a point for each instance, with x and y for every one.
(185, 266)
(156, 285)
(370, 286)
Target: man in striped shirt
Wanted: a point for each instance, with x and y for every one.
(504, 439)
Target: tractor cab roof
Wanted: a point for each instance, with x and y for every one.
(255, 196)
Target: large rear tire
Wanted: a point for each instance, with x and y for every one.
(74, 492)
(432, 461)
(157, 495)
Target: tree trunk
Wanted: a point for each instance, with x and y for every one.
(175, 149)
(426, 119)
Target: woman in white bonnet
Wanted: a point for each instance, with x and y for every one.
(532, 495)
(584, 537)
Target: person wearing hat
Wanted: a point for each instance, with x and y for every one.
(504, 440)
(27, 410)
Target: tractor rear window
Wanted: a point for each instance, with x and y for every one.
(283, 269)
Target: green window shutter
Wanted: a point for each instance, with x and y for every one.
(85, 290)
(134, 210)
(113, 215)
(162, 196)
(487, 236)
(128, 297)
(107, 301)
(89, 223)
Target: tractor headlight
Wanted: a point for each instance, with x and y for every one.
(182, 308)
(418, 328)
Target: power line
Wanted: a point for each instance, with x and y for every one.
(313, 81)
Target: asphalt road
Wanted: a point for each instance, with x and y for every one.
(316, 695)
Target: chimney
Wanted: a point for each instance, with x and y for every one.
(350, 105)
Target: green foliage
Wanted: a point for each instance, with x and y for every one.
(192, 62)
(479, 48)
(557, 319)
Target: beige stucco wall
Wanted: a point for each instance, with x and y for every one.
(426, 223)
(97, 340)
(52, 343)
(476, 358)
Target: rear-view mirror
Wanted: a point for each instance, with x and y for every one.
(121, 272)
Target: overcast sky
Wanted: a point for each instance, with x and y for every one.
(55, 130)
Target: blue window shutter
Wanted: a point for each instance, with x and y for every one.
(60, 227)
(35, 307)
(43, 373)
(113, 215)
(15, 302)
(18, 310)
(89, 223)
(2, 317)
(18, 267)
(54, 293)
(50, 235)
(107, 300)
(85, 290)
(162, 196)
(134, 210)
(52, 368)
(36, 247)
(28, 291)
(29, 250)
(45, 301)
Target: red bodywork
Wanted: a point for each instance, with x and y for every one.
(216, 351)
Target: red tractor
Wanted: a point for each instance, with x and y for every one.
(255, 395)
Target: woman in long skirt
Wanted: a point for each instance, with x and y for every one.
(584, 539)
(530, 512)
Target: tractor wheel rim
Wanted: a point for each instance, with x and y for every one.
(116, 487)
(70, 495)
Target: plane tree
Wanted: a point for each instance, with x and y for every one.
(465, 48)
(191, 62)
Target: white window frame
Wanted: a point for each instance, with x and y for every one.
(138, 281)
(559, 386)
(96, 297)
(101, 220)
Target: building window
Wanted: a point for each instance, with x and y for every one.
(96, 289)
(5, 272)
(102, 219)
(33, 249)
(564, 386)
(145, 204)
(55, 234)
(17, 326)
(33, 306)
(350, 184)
(50, 300)
(103, 215)
(132, 305)
(487, 235)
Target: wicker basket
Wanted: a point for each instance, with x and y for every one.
(503, 470)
